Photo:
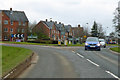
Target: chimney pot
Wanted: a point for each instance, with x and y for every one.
(10, 9)
(46, 20)
(79, 25)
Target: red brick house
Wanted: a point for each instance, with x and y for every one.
(68, 31)
(77, 31)
(48, 28)
(14, 25)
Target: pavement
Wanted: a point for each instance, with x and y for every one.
(71, 62)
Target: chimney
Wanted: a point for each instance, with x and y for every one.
(50, 20)
(10, 9)
(46, 20)
(79, 25)
(55, 22)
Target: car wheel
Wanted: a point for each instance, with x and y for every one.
(85, 48)
(99, 49)
(104, 46)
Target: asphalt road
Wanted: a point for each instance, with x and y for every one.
(64, 63)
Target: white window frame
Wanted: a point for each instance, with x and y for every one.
(23, 30)
(5, 29)
(5, 37)
(5, 21)
(11, 29)
(19, 23)
(11, 22)
(24, 23)
(18, 30)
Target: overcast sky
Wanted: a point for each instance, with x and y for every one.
(72, 12)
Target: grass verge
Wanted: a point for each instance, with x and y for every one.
(116, 49)
(12, 56)
(41, 44)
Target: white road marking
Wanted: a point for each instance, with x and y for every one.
(93, 62)
(73, 51)
(6, 76)
(112, 75)
(80, 55)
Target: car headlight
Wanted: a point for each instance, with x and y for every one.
(86, 44)
(98, 44)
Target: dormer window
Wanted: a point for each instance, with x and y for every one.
(24, 24)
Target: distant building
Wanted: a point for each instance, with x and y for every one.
(77, 32)
(68, 31)
(14, 25)
(53, 30)
(48, 28)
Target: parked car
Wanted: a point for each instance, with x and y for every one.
(102, 43)
(113, 42)
(92, 43)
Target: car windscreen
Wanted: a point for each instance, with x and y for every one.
(92, 39)
(102, 40)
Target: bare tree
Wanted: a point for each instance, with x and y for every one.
(101, 32)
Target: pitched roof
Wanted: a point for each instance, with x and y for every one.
(59, 26)
(16, 15)
(49, 24)
(67, 28)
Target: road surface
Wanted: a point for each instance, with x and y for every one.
(56, 62)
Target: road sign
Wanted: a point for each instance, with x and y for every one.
(12, 35)
(18, 35)
(85, 36)
(59, 42)
(66, 43)
(15, 35)
(22, 35)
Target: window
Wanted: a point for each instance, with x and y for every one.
(5, 29)
(5, 21)
(11, 29)
(18, 30)
(5, 37)
(22, 30)
(53, 31)
(11, 22)
(19, 23)
(24, 24)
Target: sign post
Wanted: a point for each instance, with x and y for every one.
(66, 43)
(59, 42)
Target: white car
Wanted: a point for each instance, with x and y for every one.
(102, 43)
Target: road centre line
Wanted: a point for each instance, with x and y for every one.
(112, 75)
(80, 55)
(93, 62)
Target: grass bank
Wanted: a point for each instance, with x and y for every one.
(12, 56)
(116, 49)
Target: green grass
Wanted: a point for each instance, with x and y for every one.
(112, 44)
(12, 56)
(41, 44)
(116, 49)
